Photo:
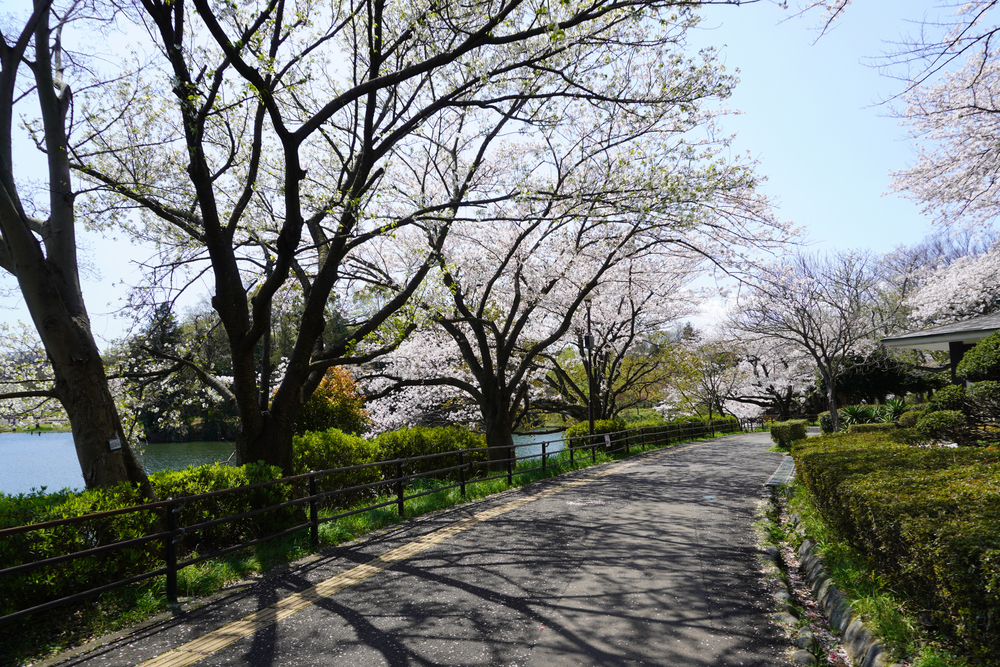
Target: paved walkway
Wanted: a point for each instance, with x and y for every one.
(644, 562)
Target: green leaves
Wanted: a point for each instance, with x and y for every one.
(982, 362)
(927, 517)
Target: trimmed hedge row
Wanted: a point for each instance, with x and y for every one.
(785, 433)
(871, 428)
(601, 426)
(929, 519)
(335, 449)
(35, 587)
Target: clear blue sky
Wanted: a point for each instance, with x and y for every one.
(809, 114)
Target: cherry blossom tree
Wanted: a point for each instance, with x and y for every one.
(772, 376)
(628, 321)
(26, 378)
(967, 287)
(716, 372)
(422, 382)
(38, 225)
(829, 306)
(277, 142)
(511, 283)
(951, 80)
(949, 104)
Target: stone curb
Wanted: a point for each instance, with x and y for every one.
(861, 646)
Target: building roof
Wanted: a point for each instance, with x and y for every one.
(969, 332)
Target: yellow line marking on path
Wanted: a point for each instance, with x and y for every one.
(216, 640)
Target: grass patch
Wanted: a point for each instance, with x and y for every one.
(43, 635)
(887, 613)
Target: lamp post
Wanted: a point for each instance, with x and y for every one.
(588, 342)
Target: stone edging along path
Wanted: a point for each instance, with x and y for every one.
(859, 643)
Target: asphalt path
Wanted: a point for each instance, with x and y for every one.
(648, 561)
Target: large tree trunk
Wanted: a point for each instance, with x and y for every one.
(81, 385)
(83, 391)
(49, 280)
(268, 439)
(499, 431)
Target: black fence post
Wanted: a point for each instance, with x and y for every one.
(544, 456)
(593, 449)
(511, 453)
(313, 511)
(571, 464)
(399, 487)
(461, 471)
(628, 437)
(642, 441)
(170, 554)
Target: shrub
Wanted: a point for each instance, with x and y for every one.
(982, 362)
(871, 428)
(909, 418)
(785, 433)
(985, 399)
(943, 425)
(856, 414)
(825, 422)
(952, 397)
(422, 440)
(38, 586)
(926, 517)
(893, 409)
(697, 419)
(67, 578)
(336, 403)
(652, 428)
(215, 477)
(332, 448)
(601, 426)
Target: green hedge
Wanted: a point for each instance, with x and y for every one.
(825, 422)
(910, 418)
(982, 362)
(871, 428)
(215, 477)
(601, 426)
(785, 433)
(420, 440)
(38, 586)
(952, 397)
(943, 425)
(333, 448)
(322, 450)
(929, 519)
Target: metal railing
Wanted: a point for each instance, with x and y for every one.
(498, 463)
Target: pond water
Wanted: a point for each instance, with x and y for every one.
(30, 461)
(530, 444)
